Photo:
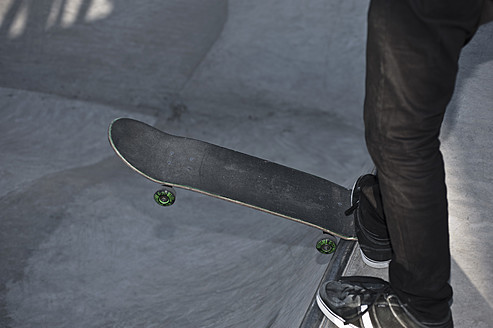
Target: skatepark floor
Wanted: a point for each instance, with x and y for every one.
(82, 243)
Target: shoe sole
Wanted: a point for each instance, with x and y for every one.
(374, 264)
(338, 321)
(334, 318)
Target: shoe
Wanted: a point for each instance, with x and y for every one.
(363, 302)
(369, 221)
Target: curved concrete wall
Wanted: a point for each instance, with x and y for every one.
(273, 53)
(126, 53)
(288, 54)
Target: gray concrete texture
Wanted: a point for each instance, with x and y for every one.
(81, 242)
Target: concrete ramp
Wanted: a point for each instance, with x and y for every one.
(84, 245)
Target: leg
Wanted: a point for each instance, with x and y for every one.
(412, 60)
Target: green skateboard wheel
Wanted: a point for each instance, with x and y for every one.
(165, 197)
(326, 246)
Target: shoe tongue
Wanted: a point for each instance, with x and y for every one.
(357, 296)
(364, 294)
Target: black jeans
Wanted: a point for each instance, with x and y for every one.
(412, 61)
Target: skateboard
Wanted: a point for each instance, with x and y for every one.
(180, 162)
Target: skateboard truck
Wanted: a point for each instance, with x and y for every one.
(165, 196)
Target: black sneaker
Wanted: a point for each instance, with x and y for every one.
(369, 221)
(363, 302)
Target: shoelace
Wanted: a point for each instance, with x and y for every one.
(383, 293)
(353, 207)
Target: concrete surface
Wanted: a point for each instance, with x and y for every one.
(81, 242)
(467, 147)
(84, 245)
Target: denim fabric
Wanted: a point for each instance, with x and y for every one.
(413, 49)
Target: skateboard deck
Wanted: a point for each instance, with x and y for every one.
(227, 174)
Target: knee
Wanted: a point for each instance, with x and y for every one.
(403, 143)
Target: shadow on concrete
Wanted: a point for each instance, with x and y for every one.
(472, 306)
(116, 52)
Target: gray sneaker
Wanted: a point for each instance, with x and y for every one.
(363, 302)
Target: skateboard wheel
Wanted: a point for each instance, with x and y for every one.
(326, 245)
(165, 197)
